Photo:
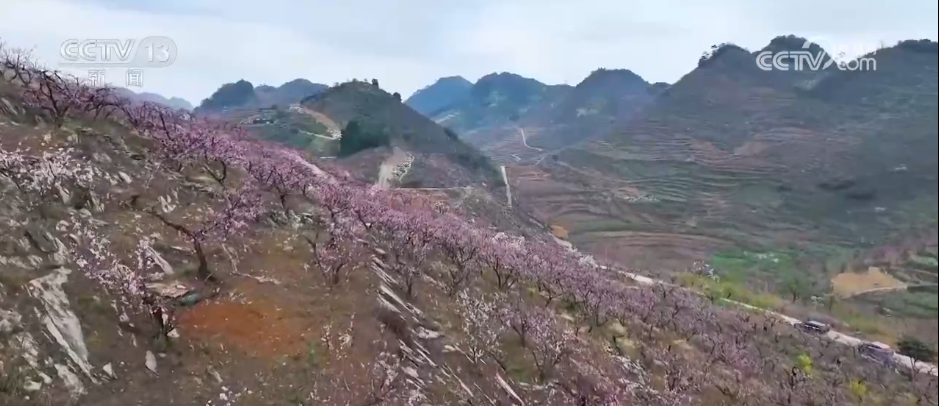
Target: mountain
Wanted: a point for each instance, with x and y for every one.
(174, 102)
(288, 93)
(443, 93)
(384, 121)
(496, 99)
(501, 107)
(230, 95)
(243, 94)
(735, 156)
(603, 100)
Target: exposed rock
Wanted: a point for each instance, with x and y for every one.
(11, 247)
(59, 320)
(108, 369)
(10, 321)
(61, 255)
(101, 157)
(94, 202)
(63, 194)
(72, 381)
(160, 261)
(151, 362)
(40, 238)
(167, 290)
(8, 107)
(31, 386)
(214, 373)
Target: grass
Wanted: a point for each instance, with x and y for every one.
(863, 323)
(920, 305)
(730, 290)
(739, 265)
(599, 226)
(925, 262)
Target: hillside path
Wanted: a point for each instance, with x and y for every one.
(508, 187)
(521, 132)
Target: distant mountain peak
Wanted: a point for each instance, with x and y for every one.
(445, 92)
(604, 74)
(794, 43)
(244, 94)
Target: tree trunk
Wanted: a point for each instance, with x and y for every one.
(204, 272)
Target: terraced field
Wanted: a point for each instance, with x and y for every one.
(734, 157)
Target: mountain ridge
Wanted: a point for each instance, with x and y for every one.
(243, 94)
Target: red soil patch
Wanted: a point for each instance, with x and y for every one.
(257, 328)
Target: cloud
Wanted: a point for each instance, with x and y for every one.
(408, 44)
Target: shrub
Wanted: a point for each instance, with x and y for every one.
(916, 349)
(356, 137)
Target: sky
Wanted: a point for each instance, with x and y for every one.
(408, 44)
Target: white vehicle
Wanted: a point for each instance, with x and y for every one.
(877, 351)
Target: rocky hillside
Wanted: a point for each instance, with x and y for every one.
(153, 258)
(372, 118)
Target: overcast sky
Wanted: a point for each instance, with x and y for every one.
(407, 44)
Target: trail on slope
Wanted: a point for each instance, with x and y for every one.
(521, 131)
(331, 126)
(508, 188)
(393, 168)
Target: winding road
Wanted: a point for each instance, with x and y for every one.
(835, 336)
(521, 131)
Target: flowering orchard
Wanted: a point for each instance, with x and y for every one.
(746, 359)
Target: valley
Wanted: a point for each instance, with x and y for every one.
(493, 242)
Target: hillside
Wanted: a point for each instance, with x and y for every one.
(442, 94)
(243, 94)
(155, 258)
(733, 159)
(438, 156)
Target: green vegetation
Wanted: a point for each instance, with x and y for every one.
(858, 388)
(599, 226)
(915, 349)
(380, 118)
(295, 130)
(926, 262)
(357, 137)
(860, 322)
(919, 304)
(798, 275)
(724, 289)
(230, 94)
(738, 264)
